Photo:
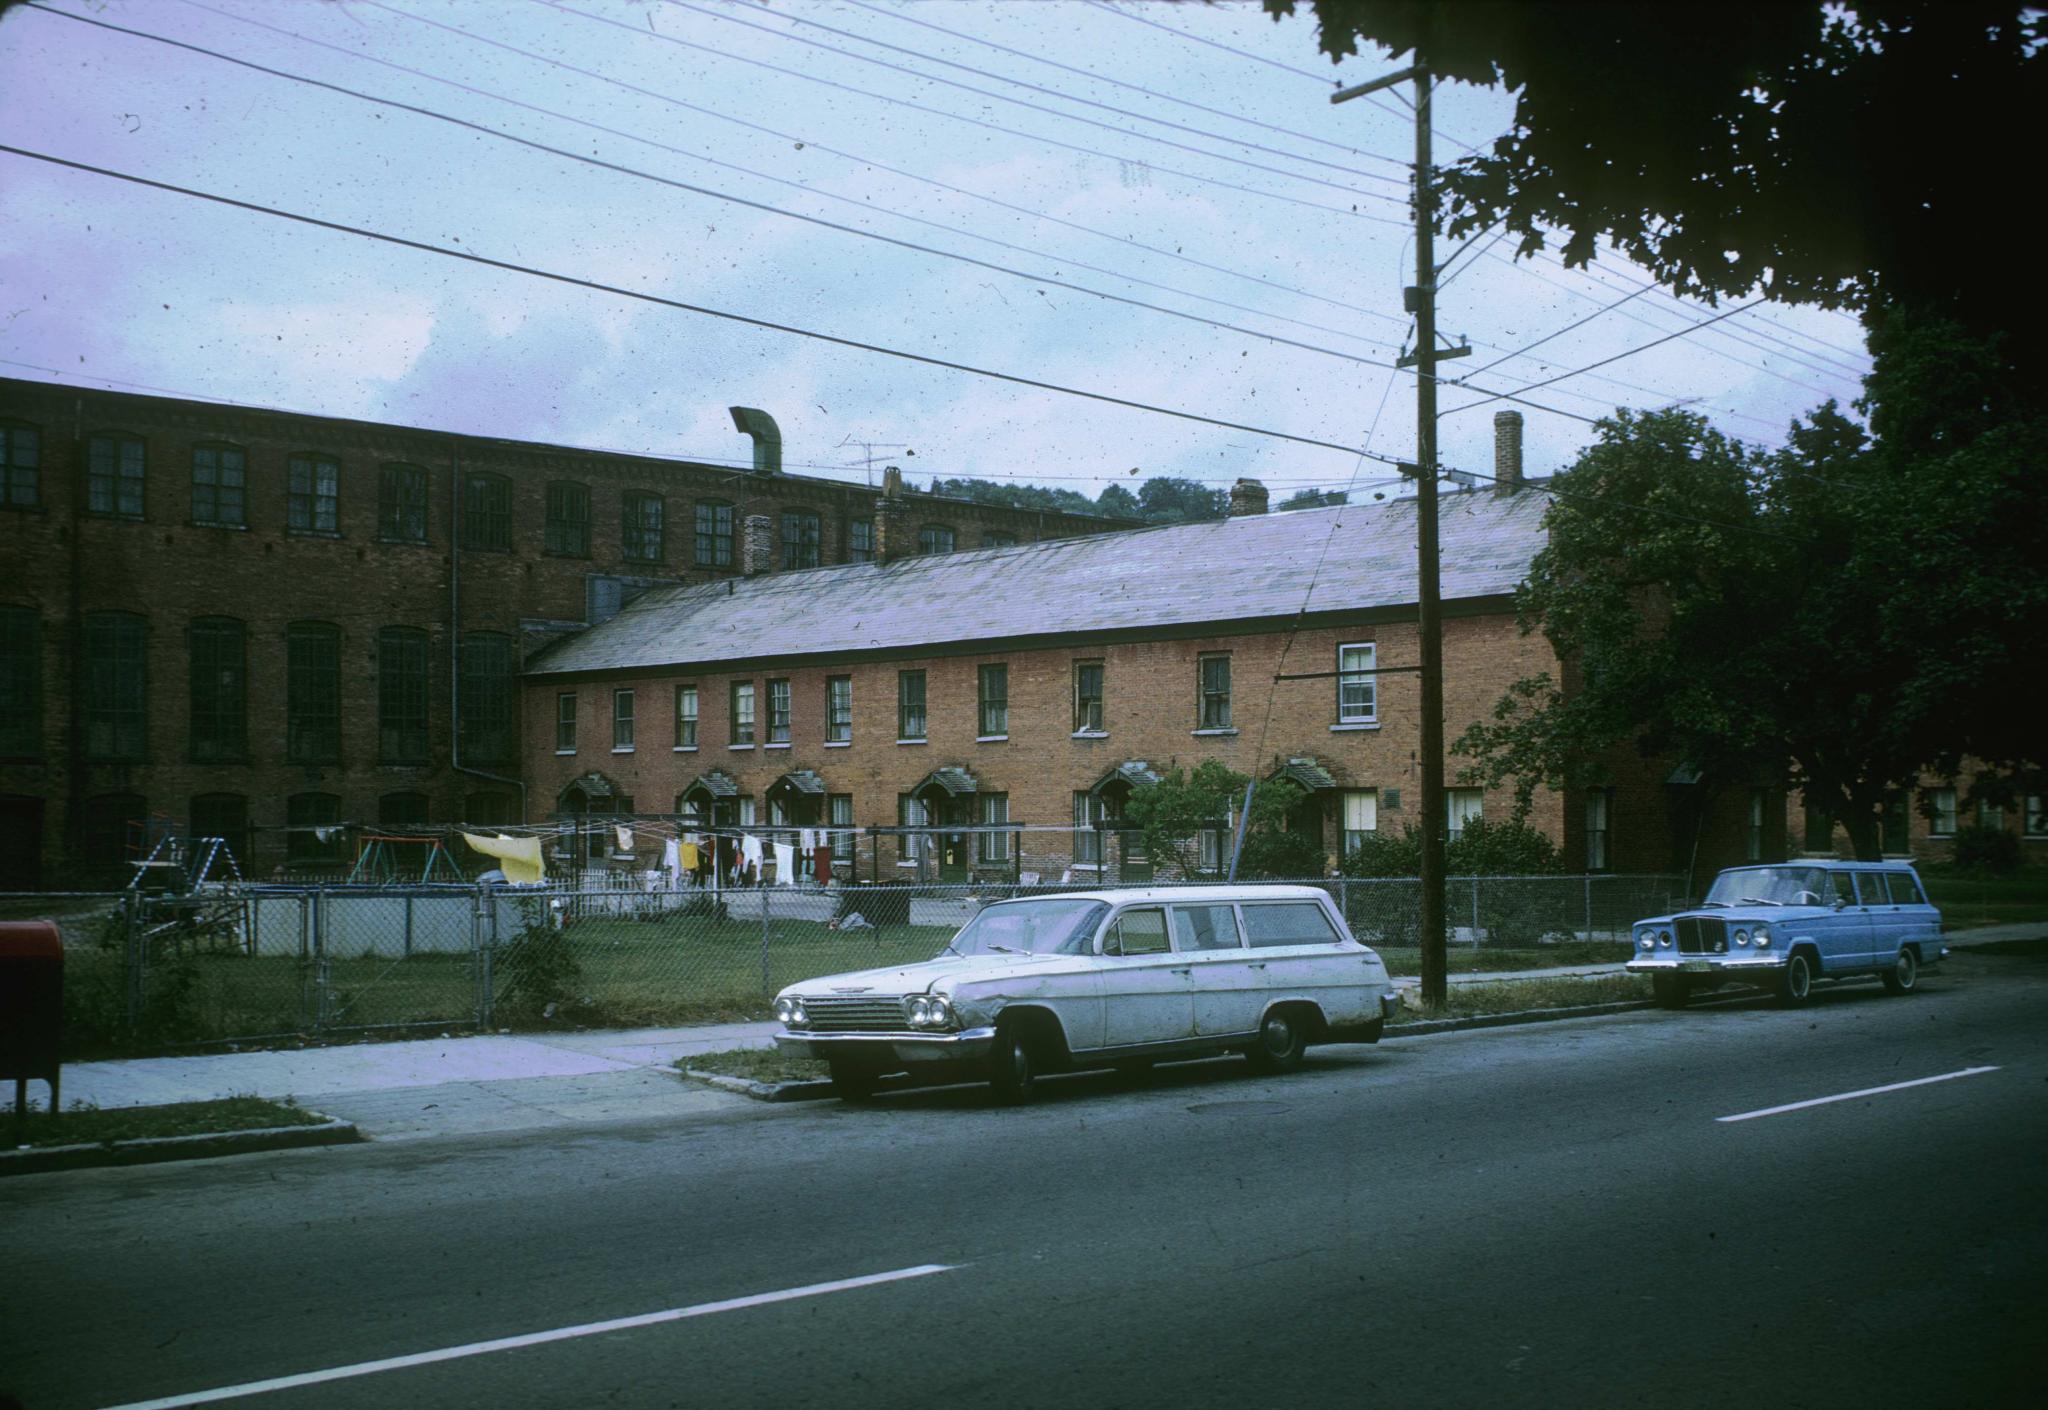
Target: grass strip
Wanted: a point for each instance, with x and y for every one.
(89, 1125)
(757, 1065)
(1521, 995)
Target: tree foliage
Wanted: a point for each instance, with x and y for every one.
(1168, 499)
(1841, 615)
(1481, 848)
(1172, 814)
(1314, 499)
(1853, 156)
(1162, 499)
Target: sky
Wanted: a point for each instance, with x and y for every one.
(1063, 163)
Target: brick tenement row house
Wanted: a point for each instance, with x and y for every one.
(286, 629)
(1041, 684)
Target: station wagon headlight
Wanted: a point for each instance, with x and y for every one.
(919, 1009)
(1742, 937)
(791, 1012)
(929, 1011)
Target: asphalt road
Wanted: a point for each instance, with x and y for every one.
(1543, 1215)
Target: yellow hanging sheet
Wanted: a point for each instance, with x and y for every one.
(521, 855)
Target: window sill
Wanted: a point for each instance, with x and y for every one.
(913, 741)
(783, 745)
(622, 749)
(313, 534)
(740, 747)
(216, 524)
(565, 753)
(684, 749)
(1353, 725)
(1089, 734)
(1212, 733)
(383, 539)
(991, 739)
(839, 744)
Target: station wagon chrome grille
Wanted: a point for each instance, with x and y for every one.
(1701, 935)
(840, 1013)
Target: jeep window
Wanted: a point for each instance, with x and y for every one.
(1871, 885)
(1140, 932)
(1845, 888)
(1205, 928)
(1048, 927)
(1905, 890)
(1770, 886)
(1287, 923)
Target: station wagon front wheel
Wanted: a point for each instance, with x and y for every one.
(1795, 981)
(1281, 1043)
(1904, 973)
(1011, 1070)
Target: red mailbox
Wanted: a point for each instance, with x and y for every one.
(31, 1007)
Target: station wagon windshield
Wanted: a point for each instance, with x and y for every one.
(1771, 886)
(1054, 926)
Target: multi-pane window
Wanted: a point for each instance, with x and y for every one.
(1599, 806)
(21, 461)
(218, 677)
(1461, 806)
(1991, 813)
(2036, 817)
(568, 522)
(484, 723)
(995, 812)
(910, 719)
(1942, 805)
(860, 541)
(402, 695)
(487, 512)
(21, 683)
(312, 494)
(1087, 841)
(778, 712)
(1214, 706)
(1753, 837)
(640, 535)
(312, 692)
(1087, 697)
(1358, 701)
(992, 692)
(116, 686)
(482, 810)
(220, 485)
(622, 721)
(114, 466)
(714, 534)
(996, 538)
(742, 712)
(686, 717)
(1361, 816)
(935, 538)
(313, 828)
(402, 503)
(801, 537)
(226, 816)
(838, 709)
(402, 810)
(839, 817)
(911, 812)
(565, 722)
(111, 832)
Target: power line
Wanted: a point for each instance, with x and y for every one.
(937, 112)
(1527, 348)
(807, 188)
(1041, 88)
(1125, 83)
(1628, 352)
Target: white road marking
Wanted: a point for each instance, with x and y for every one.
(1852, 1096)
(481, 1348)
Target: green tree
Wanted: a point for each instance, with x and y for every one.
(1172, 814)
(1841, 615)
(1314, 499)
(1013, 496)
(1849, 156)
(1117, 500)
(1168, 499)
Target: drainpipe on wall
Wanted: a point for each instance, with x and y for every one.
(74, 639)
(455, 636)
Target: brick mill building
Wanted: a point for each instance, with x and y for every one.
(275, 627)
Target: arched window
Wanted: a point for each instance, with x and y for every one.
(485, 727)
(312, 502)
(714, 534)
(935, 538)
(220, 486)
(568, 523)
(115, 464)
(217, 649)
(487, 512)
(111, 829)
(402, 810)
(21, 465)
(21, 682)
(116, 686)
(402, 503)
(314, 831)
(801, 537)
(313, 693)
(401, 695)
(226, 816)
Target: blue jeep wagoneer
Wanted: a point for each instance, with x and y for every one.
(1783, 927)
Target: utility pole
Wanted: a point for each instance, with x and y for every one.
(1420, 300)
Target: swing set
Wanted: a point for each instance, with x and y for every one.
(384, 858)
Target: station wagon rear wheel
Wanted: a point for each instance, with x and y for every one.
(1795, 981)
(1672, 991)
(1904, 973)
(1011, 1069)
(1281, 1042)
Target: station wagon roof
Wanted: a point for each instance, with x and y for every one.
(1190, 895)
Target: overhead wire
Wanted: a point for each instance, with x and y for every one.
(1617, 357)
(920, 54)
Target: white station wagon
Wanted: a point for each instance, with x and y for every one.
(1092, 979)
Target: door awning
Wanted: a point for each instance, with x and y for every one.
(798, 781)
(1306, 772)
(955, 782)
(1134, 773)
(718, 783)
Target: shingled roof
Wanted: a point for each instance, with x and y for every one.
(1237, 570)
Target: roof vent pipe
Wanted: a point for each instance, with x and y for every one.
(750, 421)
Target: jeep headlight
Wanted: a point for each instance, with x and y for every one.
(1664, 938)
(1646, 942)
(1763, 937)
(1742, 937)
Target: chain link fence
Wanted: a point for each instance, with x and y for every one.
(258, 962)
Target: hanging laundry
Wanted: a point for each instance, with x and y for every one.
(806, 840)
(821, 862)
(625, 836)
(691, 860)
(672, 862)
(520, 855)
(326, 834)
(785, 863)
(750, 853)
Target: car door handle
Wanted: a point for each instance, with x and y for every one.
(1256, 964)
(1188, 970)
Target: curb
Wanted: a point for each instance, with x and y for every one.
(151, 1149)
(811, 1090)
(1423, 1027)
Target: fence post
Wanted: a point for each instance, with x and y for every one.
(1589, 907)
(132, 959)
(1475, 911)
(484, 940)
(322, 995)
(767, 984)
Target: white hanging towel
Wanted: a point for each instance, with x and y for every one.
(672, 862)
(750, 851)
(625, 836)
(785, 863)
(806, 840)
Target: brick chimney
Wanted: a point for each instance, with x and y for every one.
(1247, 497)
(757, 545)
(893, 538)
(1507, 452)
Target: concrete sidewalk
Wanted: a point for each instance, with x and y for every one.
(494, 1082)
